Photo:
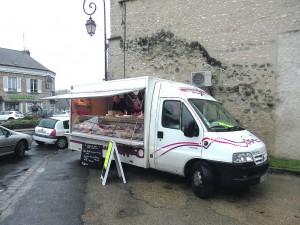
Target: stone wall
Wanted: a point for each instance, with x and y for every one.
(237, 40)
(287, 94)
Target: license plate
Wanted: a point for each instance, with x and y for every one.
(263, 178)
(41, 131)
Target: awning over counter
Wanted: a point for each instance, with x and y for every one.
(105, 89)
(92, 94)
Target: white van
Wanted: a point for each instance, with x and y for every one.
(180, 129)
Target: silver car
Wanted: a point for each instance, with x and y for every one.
(14, 142)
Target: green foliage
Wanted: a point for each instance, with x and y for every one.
(290, 164)
(24, 123)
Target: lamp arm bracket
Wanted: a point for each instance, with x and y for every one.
(92, 6)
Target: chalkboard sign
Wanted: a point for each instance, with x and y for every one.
(91, 156)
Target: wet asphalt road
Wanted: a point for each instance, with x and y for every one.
(49, 187)
(46, 187)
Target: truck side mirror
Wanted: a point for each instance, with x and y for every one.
(192, 130)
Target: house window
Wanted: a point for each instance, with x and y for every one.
(33, 85)
(12, 84)
(12, 106)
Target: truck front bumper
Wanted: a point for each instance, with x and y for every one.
(240, 175)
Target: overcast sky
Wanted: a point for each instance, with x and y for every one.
(55, 34)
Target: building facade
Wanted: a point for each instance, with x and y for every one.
(23, 82)
(250, 47)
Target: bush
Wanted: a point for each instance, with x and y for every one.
(24, 123)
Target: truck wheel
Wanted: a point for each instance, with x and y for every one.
(20, 149)
(61, 143)
(202, 180)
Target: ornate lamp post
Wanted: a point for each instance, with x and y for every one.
(91, 28)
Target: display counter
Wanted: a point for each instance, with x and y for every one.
(125, 129)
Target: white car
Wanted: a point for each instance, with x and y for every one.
(61, 114)
(14, 142)
(52, 130)
(10, 115)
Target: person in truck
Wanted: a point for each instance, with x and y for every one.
(119, 104)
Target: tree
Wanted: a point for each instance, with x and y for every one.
(62, 104)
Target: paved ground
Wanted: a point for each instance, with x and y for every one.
(50, 192)
(151, 197)
(56, 190)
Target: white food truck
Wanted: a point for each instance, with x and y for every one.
(179, 129)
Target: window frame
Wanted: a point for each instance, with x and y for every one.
(168, 117)
(34, 89)
(12, 81)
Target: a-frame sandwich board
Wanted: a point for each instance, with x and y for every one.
(112, 151)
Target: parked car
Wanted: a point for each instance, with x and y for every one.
(14, 142)
(61, 114)
(52, 130)
(10, 115)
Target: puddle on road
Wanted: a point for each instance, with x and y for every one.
(40, 170)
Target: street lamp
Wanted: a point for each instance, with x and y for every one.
(91, 28)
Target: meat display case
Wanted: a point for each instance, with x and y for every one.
(116, 127)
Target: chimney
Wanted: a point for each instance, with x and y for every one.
(27, 52)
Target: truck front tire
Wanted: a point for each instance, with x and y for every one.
(202, 181)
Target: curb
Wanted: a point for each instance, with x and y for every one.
(284, 171)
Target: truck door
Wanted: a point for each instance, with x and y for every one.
(174, 145)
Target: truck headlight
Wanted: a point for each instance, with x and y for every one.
(242, 157)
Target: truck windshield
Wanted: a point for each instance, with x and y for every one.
(215, 116)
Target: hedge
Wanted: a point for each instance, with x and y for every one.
(24, 123)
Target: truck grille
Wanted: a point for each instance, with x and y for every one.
(260, 157)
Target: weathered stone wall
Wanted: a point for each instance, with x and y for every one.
(287, 114)
(237, 40)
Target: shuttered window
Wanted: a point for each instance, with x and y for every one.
(33, 85)
(5, 83)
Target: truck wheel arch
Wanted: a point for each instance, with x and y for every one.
(189, 165)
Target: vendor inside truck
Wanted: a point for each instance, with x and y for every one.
(119, 104)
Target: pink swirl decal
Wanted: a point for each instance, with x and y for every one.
(194, 91)
(167, 148)
(245, 143)
(173, 146)
(128, 151)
